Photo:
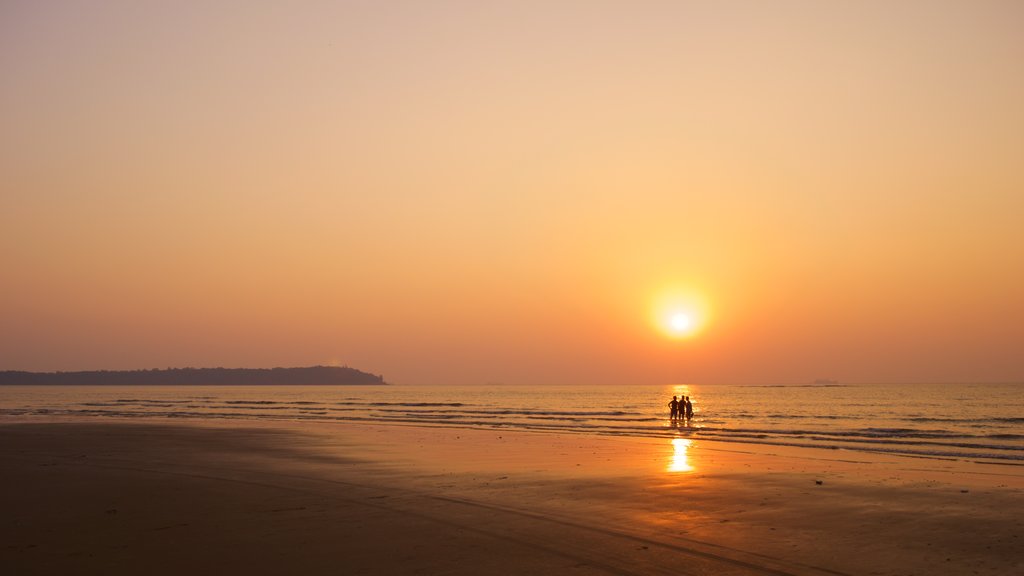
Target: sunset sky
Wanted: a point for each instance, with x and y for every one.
(516, 192)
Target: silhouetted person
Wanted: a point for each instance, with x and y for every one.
(688, 409)
(674, 408)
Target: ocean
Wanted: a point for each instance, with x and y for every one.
(981, 422)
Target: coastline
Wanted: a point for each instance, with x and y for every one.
(280, 376)
(986, 426)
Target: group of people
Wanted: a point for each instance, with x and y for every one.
(681, 408)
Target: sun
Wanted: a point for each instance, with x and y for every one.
(679, 314)
(680, 322)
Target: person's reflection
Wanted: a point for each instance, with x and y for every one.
(680, 461)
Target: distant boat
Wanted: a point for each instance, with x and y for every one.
(825, 382)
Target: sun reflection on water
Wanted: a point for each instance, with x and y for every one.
(680, 460)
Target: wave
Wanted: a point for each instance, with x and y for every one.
(269, 402)
(921, 448)
(1005, 436)
(812, 385)
(390, 410)
(384, 406)
(527, 412)
(925, 429)
(411, 404)
(968, 421)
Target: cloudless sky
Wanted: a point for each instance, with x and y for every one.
(518, 192)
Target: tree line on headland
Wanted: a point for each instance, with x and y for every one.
(311, 376)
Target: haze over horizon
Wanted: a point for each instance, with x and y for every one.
(518, 192)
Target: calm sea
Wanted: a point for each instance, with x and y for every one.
(965, 421)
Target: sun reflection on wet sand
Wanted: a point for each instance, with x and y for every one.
(680, 459)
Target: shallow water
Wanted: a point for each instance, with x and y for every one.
(965, 421)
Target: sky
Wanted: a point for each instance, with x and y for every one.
(521, 192)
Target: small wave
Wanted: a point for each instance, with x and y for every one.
(931, 419)
(140, 401)
(1005, 436)
(508, 412)
(555, 417)
(942, 454)
(907, 433)
(973, 445)
(271, 402)
(247, 407)
(353, 402)
(965, 421)
(863, 433)
(827, 385)
(415, 404)
(782, 416)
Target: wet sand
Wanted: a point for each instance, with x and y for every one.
(129, 497)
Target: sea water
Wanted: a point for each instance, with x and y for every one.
(983, 422)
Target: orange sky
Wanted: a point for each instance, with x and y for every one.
(467, 192)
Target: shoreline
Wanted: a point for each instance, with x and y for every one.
(244, 420)
(506, 501)
(986, 430)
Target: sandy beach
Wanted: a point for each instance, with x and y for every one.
(462, 288)
(125, 497)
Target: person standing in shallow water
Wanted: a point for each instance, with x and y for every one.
(688, 407)
(674, 408)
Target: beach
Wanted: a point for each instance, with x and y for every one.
(92, 496)
(459, 288)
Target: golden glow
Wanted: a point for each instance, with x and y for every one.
(680, 313)
(681, 322)
(680, 458)
(541, 214)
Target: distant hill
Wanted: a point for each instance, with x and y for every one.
(312, 376)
